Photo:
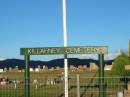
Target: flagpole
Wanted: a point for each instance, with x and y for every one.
(65, 45)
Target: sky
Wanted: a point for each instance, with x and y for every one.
(38, 23)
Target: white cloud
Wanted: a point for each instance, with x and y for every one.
(109, 56)
(1, 59)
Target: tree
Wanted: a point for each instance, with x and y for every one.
(119, 65)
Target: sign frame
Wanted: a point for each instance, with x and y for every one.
(100, 50)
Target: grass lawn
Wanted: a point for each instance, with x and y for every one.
(88, 84)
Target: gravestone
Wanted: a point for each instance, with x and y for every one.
(127, 67)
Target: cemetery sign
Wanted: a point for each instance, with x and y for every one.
(65, 50)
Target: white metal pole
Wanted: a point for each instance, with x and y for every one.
(65, 45)
(64, 23)
(78, 86)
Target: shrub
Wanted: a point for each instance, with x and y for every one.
(119, 65)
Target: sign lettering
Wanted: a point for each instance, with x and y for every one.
(64, 50)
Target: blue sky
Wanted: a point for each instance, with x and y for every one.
(38, 23)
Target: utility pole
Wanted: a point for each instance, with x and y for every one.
(65, 45)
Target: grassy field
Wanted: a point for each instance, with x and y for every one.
(88, 84)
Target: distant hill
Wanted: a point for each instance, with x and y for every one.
(56, 62)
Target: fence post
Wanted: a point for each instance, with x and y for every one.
(78, 86)
(101, 76)
(27, 77)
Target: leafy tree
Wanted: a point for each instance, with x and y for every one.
(119, 65)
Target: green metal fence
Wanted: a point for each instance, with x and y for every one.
(50, 85)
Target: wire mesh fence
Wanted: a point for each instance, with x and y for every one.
(52, 85)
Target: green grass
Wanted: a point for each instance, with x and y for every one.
(87, 82)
